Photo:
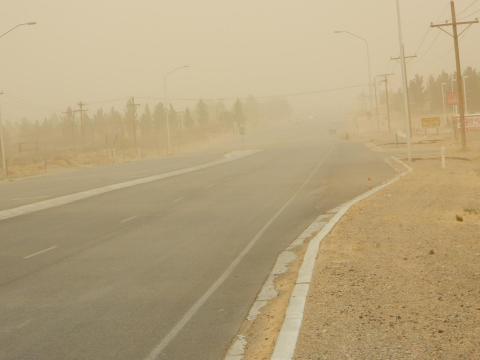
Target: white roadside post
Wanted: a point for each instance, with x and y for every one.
(444, 160)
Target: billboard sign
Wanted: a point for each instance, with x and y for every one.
(452, 99)
(431, 122)
(472, 122)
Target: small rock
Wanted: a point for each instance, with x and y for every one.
(432, 252)
(459, 218)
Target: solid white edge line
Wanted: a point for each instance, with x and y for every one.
(157, 351)
(68, 199)
(288, 337)
(40, 252)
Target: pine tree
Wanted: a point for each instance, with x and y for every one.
(159, 117)
(188, 120)
(202, 113)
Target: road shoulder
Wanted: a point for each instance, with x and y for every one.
(398, 277)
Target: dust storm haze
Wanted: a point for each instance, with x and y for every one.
(95, 51)
(248, 179)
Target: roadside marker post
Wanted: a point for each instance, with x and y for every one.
(444, 160)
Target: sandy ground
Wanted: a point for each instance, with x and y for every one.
(399, 277)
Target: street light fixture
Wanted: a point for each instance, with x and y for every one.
(165, 94)
(369, 59)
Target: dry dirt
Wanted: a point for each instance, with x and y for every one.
(77, 160)
(262, 332)
(399, 277)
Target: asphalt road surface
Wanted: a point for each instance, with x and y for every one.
(170, 268)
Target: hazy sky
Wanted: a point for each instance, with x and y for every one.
(96, 50)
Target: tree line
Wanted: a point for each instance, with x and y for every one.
(427, 94)
(135, 129)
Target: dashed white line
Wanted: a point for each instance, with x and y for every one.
(39, 252)
(131, 218)
(176, 201)
(30, 198)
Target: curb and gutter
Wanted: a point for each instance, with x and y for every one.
(290, 331)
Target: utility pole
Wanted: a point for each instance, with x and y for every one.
(387, 99)
(2, 146)
(408, 111)
(82, 110)
(460, 87)
(132, 110)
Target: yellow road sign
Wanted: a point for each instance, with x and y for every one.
(431, 123)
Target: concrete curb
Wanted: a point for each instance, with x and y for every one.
(290, 332)
(268, 291)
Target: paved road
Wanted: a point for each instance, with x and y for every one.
(168, 269)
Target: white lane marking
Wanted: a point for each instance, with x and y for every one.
(68, 199)
(30, 198)
(128, 219)
(176, 201)
(292, 324)
(39, 252)
(157, 351)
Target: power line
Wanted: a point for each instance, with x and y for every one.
(99, 102)
(473, 13)
(469, 6)
(430, 47)
(296, 94)
(424, 38)
(428, 31)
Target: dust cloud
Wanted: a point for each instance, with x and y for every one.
(104, 76)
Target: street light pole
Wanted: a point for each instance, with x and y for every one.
(387, 99)
(376, 104)
(369, 60)
(404, 82)
(167, 105)
(2, 145)
(2, 130)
